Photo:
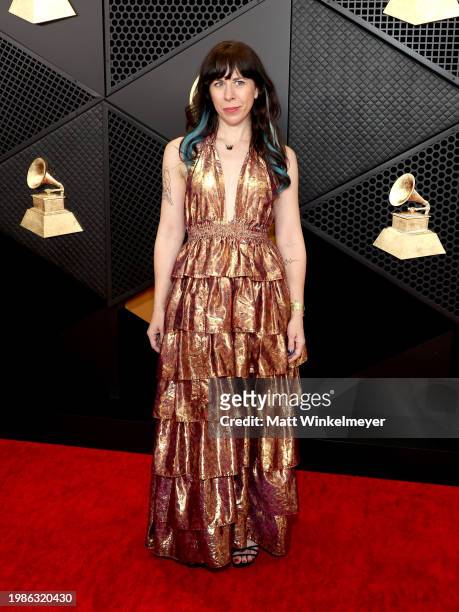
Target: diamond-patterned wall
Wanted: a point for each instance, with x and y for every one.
(436, 41)
(135, 200)
(33, 96)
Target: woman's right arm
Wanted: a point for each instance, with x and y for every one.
(169, 237)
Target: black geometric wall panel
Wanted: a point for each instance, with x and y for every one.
(143, 31)
(33, 96)
(75, 152)
(353, 216)
(74, 45)
(437, 41)
(158, 98)
(355, 100)
(135, 202)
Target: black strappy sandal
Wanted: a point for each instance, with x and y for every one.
(247, 551)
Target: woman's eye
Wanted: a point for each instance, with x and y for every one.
(218, 83)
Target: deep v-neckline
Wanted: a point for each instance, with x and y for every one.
(221, 181)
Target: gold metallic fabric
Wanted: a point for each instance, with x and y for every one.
(226, 316)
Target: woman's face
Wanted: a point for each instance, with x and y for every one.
(236, 93)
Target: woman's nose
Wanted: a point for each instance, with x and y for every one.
(228, 92)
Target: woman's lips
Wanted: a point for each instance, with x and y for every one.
(231, 109)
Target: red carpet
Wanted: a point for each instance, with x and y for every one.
(74, 519)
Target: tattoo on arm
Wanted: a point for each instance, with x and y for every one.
(289, 260)
(167, 186)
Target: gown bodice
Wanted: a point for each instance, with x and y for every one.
(205, 190)
(237, 247)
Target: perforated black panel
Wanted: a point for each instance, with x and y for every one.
(436, 41)
(143, 31)
(32, 96)
(355, 100)
(354, 217)
(75, 152)
(135, 202)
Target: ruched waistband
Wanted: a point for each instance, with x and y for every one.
(233, 229)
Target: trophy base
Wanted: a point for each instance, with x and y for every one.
(409, 245)
(41, 12)
(47, 225)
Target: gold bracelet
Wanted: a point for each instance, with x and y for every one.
(297, 307)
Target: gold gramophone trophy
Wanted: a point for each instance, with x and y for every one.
(48, 216)
(409, 235)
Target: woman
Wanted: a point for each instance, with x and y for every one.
(228, 303)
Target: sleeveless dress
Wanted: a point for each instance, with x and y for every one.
(226, 316)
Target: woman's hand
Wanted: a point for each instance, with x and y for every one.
(296, 338)
(155, 331)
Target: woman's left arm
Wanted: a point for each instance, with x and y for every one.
(290, 241)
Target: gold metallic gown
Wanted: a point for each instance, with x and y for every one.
(226, 316)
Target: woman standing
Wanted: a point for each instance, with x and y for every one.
(228, 303)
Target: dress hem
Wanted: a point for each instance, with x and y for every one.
(204, 565)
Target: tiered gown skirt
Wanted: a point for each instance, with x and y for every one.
(226, 316)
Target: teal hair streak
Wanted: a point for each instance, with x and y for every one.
(271, 160)
(274, 149)
(192, 138)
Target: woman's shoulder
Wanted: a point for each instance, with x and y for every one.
(290, 152)
(172, 154)
(173, 145)
(291, 157)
